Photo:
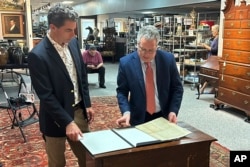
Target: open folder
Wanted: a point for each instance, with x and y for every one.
(155, 131)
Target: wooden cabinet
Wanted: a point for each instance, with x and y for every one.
(234, 67)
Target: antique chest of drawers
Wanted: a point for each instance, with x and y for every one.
(234, 66)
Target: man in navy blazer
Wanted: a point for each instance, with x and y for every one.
(131, 93)
(59, 78)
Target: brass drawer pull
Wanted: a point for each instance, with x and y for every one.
(221, 94)
(233, 93)
(235, 80)
(239, 32)
(248, 74)
(232, 24)
(248, 87)
(245, 102)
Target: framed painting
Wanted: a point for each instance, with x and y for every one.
(12, 25)
(12, 5)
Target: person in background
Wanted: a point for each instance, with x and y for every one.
(59, 78)
(144, 68)
(13, 27)
(213, 48)
(94, 63)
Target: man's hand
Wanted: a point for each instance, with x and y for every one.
(73, 132)
(172, 117)
(91, 66)
(90, 114)
(124, 120)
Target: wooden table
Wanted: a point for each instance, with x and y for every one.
(192, 151)
(209, 75)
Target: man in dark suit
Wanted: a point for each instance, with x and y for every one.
(59, 78)
(13, 27)
(131, 80)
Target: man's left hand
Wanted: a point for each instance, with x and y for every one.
(172, 117)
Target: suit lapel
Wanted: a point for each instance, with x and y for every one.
(139, 72)
(54, 56)
(159, 71)
(74, 52)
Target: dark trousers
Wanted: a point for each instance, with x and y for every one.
(101, 73)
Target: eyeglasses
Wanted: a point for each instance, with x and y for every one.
(144, 51)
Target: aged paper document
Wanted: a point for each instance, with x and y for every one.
(163, 130)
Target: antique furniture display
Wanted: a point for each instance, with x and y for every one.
(109, 43)
(234, 70)
(192, 150)
(209, 75)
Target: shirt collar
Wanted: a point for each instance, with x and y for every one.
(57, 45)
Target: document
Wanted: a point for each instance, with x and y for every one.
(135, 137)
(163, 130)
(155, 131)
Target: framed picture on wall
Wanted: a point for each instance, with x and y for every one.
(12, 25)
(12, 5)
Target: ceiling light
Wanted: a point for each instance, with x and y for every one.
(67, 2)
(147, 12)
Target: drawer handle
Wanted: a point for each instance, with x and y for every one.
(245, 102)
(235, 80)
(248, 74)
(233, 93)
(239, 42)
(221, 94)
(248, 87)
(232, 24)
(239, 32)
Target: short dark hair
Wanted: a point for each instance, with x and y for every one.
(59, 13)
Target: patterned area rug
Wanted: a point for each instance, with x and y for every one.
(15, 153)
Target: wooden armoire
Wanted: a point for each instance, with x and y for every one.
(234, 70)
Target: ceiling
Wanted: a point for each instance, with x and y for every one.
(199, 7)
(36, 4)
